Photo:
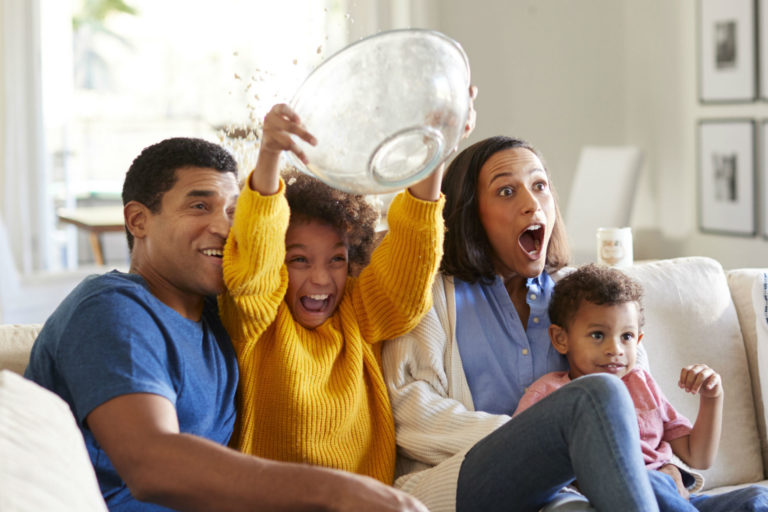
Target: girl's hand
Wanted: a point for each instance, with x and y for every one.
(472, 114)
(701, 379)
(280, 122)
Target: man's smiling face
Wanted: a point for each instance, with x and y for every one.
(185, 238)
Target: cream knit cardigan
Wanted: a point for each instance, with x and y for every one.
(435, 420)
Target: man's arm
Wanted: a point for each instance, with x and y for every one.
(699, 449)
(140, 435)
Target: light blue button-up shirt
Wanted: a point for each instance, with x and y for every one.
(500, 358)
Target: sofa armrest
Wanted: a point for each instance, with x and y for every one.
(15, 345)
(741, 283)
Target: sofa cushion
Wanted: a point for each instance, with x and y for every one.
(690, 318)
(15, 344)
(44, 464)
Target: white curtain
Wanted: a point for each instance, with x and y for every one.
(25, 209)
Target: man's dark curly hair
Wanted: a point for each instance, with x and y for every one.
(597, 284)
(153, 172)
(350, 214)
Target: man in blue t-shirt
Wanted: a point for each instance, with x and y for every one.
(150, 373)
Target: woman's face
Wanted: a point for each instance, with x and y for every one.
(517, 211)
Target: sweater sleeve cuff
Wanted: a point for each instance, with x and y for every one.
(416, 211)
(253, 203)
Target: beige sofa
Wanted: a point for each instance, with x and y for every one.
(695, 312)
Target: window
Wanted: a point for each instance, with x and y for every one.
(120, 75)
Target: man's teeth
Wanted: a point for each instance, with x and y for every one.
(318, 297)
(213, 252)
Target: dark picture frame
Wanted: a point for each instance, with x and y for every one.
(762, 48)
(727, 51)
(727, 196)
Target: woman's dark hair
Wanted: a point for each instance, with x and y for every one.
(468, 254)
(153, 172)
(349, 214)
(597, 284)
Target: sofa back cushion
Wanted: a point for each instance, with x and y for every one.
(15, 344)
(691, 318)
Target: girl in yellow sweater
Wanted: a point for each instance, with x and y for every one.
(307, 333)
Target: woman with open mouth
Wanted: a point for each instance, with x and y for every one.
(456, 378)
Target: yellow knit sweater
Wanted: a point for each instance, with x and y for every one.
(318, 395)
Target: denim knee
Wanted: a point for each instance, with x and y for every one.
(603, 387)
(752, 498)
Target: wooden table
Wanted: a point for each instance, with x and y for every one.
(95, 220)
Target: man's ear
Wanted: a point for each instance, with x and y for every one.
(136, 215)
(559, 338)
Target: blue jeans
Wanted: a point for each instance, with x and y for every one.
(746, 499)
(586, 430)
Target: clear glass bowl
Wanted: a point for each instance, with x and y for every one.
(386, 110)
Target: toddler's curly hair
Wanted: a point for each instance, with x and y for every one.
(350, 214)
(597, 284)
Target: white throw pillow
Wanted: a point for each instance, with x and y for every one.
(690, 318)
(44, 464)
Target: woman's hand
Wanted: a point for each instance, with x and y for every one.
(279, 124)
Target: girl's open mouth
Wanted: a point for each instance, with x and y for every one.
(315, 303)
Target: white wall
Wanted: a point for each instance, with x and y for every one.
(566, 73)
(546, 72)
(662, 113)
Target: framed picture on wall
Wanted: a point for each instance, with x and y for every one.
(726, 176)
(762, 51)
(727, 50)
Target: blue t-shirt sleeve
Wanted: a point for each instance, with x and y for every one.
(113, 346)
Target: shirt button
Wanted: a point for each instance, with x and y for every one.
(532, 296)
(535, 319)
(525, 351)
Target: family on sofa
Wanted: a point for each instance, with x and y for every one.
(282, 392)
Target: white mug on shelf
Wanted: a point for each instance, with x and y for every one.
(614, 246)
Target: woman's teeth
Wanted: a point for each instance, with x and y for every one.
(213, 252)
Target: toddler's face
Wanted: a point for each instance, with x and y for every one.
(600, 339)
(317, 261)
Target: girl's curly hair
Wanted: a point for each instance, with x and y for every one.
(350, 214)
